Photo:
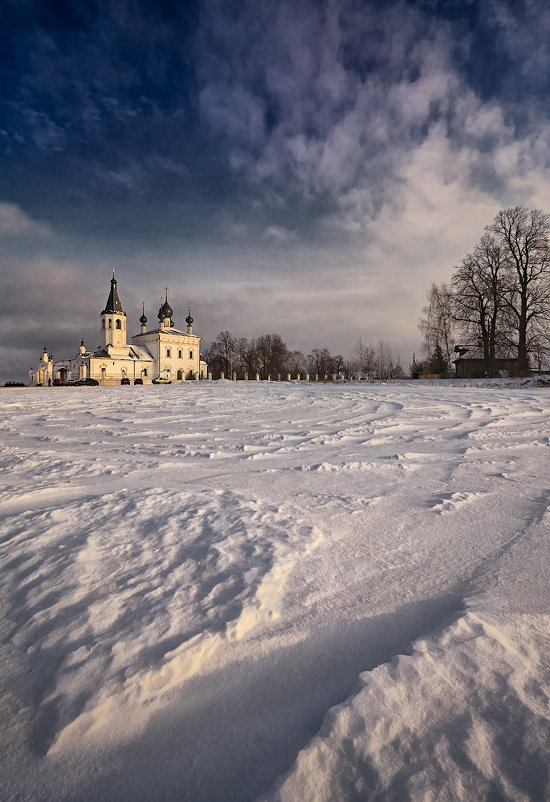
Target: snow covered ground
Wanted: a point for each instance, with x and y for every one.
(278, 591)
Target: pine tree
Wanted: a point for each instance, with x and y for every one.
(438, 363)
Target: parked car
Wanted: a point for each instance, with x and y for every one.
(160, 380)
(86, 383)
(138, 381)
(125, 380)
(14, 384)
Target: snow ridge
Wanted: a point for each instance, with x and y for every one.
(438, 722)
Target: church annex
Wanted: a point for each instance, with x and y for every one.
(164, 353)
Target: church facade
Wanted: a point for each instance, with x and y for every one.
(161, 354)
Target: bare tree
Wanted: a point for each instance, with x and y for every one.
(360, 356)
(437, 325)
(337, 364)
(246, 358)
(383, 361)
(221, 353)
(363, 359)
(297, 363)
(272, 355)
(320, 362)
(524, 236)
(479, 297)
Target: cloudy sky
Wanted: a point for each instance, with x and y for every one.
(306, 167)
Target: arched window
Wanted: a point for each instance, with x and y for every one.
(180, 375)
(118, 324)
(110, 323)
(103, 323)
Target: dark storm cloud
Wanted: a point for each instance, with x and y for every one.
(322, 103)
(94, 69)
(301, 103)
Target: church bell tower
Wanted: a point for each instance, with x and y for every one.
(113, 319)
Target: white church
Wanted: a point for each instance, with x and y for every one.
(159, 355)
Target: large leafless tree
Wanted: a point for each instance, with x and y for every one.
(480, 285)
(523, 234)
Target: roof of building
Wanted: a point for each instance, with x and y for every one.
(133, 354)
(170, 330)
(113, 304)
(476, 352)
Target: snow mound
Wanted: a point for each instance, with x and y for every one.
(466, 716)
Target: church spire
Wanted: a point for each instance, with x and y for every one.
(113, 304)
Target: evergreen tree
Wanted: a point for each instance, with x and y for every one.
(438, 363)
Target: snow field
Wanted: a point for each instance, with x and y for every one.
(226, 591)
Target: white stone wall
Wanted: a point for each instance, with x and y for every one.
(175, 354)
(114, 330)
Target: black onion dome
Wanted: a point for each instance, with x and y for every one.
(189, 319)
(113, 304)
(143, 319)
(165, 310)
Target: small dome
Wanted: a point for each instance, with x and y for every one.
(143, 320)
(165, 311)
(189, 319)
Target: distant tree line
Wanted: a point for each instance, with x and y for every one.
(498, 298)
(269, 357)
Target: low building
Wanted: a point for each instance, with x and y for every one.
(165, 352)
(471, 363)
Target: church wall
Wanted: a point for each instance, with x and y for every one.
(175, 355)
(178, 356)
(110, 372)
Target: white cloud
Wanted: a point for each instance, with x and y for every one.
(279, 234)
(14, 222)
